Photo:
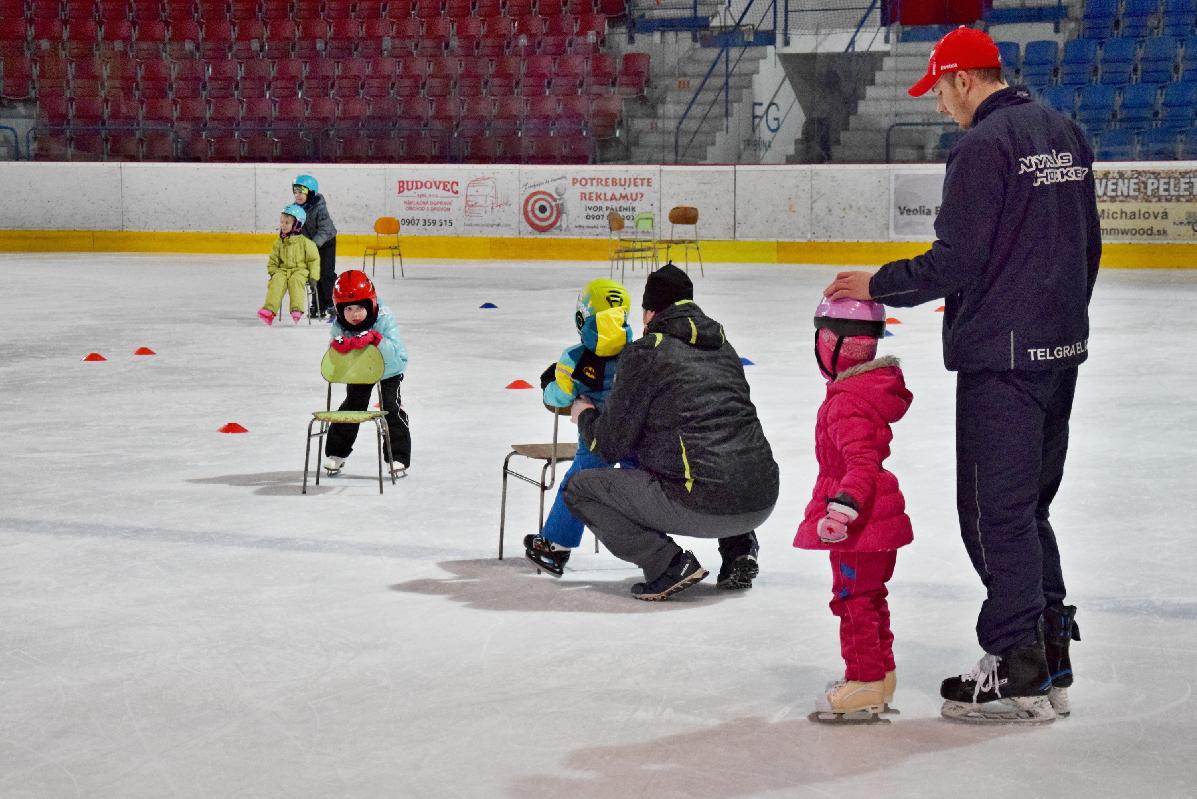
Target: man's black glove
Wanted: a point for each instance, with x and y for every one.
(548, 376)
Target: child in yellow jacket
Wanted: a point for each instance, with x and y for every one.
(294, 260)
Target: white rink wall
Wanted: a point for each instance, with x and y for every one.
(792, 203)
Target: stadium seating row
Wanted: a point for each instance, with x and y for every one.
(1113, 62)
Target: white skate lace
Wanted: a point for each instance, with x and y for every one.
(985, 675)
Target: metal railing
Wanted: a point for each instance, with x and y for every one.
(16, 141)
(890, 131)
(724, 55)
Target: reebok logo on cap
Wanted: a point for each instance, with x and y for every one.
(963, 48)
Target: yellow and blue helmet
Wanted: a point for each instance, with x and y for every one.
(601, 295)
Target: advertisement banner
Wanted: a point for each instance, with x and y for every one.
(573, 201)
(915, 198)
(469, 201)
(1147, 205)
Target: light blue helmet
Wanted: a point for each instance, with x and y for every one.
(301, 216)
(308, 182)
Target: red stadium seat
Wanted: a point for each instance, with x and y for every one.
(284, 88)
(395, 9)
(502, 85)
(288, 69)
(579, 7)
(87, 111)
(321, 111)
(511, 65)
(604, 116)
(540, 66)
(538, 148)
(509, 113)
(353, 149)
(572, 119)
(275, 9)
(257, 145)
(352, 110)
(438, 86)
(533, 85)
(611, 8)
(383, 113)
(499, 27)
(306, 9)
(470, 86)
(459, 9)
(290, 109)
(256, 112)
(575, 149)
(224, 112)
(121, 111)
(242, 10)
(519, 8)
(224, 146)
(542, 111)
(428, 9)
(550, 8)
(158, 109)
(157, 146)
(407, 85)
(559, 26)
(532, 27)
(476, 114)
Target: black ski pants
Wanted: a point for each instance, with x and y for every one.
(1011, 441)
(357, 398)
(328, 274)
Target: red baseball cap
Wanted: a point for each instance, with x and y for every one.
(963, 48)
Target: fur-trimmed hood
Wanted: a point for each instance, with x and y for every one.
(878, 382)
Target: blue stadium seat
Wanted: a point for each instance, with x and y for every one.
(1061, 98)
(1098, 20)
(1137, 109)
(1118, 61)
(1139, 18)
(1095, 107)
(947, 140)
(1179, 17)
(1157, 60)
(1188, 146)
(1188, 62)
(1157, 144)
(1116, 145)
(1039, 62)
(1078, 63)
(1010, 59)
(1178, 106)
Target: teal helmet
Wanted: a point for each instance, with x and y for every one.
(308, 182)
(301, 216)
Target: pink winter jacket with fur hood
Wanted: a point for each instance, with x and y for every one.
(852, 437)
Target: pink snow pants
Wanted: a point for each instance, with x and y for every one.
(858, 588)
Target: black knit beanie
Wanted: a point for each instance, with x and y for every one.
(666, 286)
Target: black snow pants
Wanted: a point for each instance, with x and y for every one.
(1011, 441)
(328, 275)
(357, 398)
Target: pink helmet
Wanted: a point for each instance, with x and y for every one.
(851, 317)
(846, 319)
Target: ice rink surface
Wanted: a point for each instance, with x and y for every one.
(176, 620)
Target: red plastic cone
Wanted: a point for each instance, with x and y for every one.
(94, 356)
(939, 309)
(232, 427)
(519, 384)
(893, 320)
(144, 351)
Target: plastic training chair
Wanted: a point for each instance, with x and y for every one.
(386, 240)
(686, 217)
(356, 367)
(549, 454)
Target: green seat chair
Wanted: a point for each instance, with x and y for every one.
(357, 367)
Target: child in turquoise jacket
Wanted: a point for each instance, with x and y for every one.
(586, 370)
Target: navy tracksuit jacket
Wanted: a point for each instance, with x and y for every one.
(1016, 255)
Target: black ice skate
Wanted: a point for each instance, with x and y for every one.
(739, 567)
(1059, 629)
(684, 571)
(1010, 689)
(539, 550)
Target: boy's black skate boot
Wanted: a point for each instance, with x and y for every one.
(684, 571)
(1059, 629)
(739, 567)
(539, 550)
(1010, 688)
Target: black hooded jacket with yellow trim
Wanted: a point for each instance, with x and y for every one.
(681, 407)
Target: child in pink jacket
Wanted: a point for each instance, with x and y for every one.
(857, 511)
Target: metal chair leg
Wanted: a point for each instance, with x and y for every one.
(503, 504)
(307, 457)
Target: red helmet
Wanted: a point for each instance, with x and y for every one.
(354, 286)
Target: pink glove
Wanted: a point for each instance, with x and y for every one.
(340, 344)
(371, 337)
(833, 527)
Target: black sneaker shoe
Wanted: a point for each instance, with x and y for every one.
(539, 550)
(1059, 629)
(684, 571)
(739, 574)
(739, 567)
(1007, 689)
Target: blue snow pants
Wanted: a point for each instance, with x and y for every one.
(562, 527)
(1011, 441)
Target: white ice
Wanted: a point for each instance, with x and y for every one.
(176, 620)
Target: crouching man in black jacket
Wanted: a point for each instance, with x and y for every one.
(680, 407)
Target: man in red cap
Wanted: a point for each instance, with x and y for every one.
(1016, 255)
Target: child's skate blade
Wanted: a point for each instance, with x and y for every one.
(869, 715)
(1012, 710)
(1060, 702)
(543, 565)
(890, 710)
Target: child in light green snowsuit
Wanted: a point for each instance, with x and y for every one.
(294, 260)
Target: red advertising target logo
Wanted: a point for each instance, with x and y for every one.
(542, 211)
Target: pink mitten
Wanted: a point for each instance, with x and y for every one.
(372, 337)
(341, 344)
(833, 527)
